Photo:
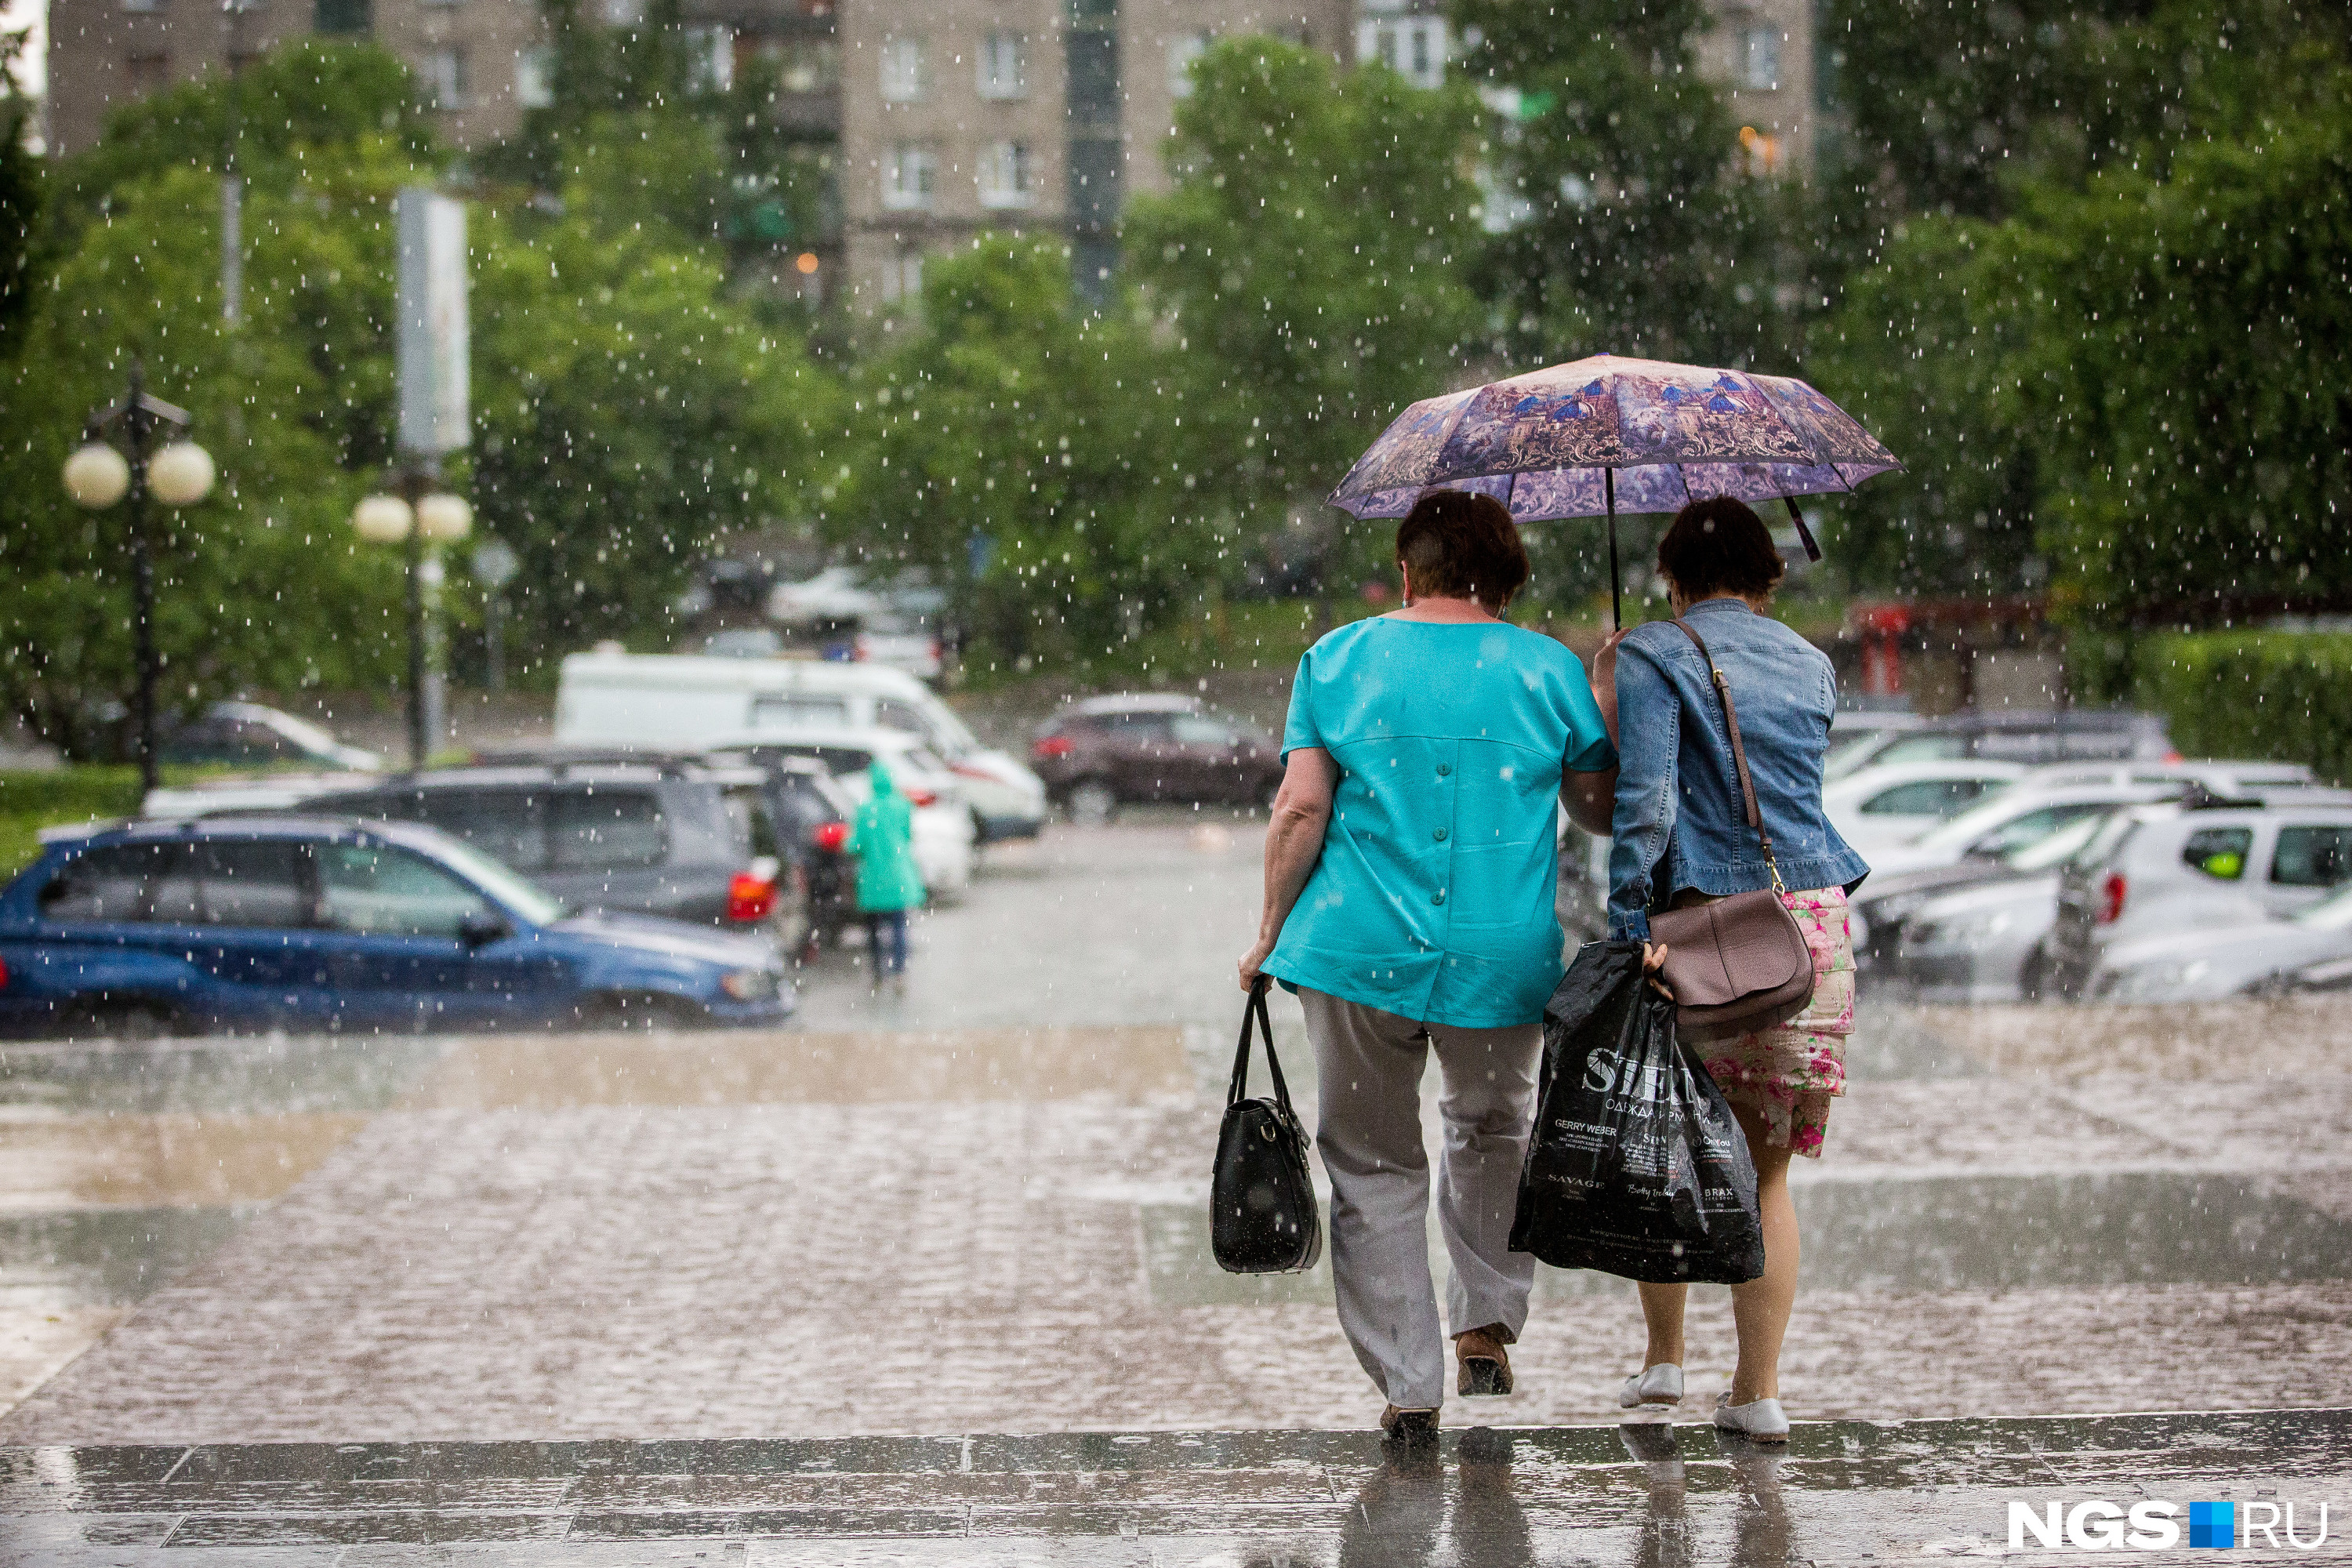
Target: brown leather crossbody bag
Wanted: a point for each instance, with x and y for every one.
(1738, 965)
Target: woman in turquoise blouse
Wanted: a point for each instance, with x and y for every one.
(1409, 882)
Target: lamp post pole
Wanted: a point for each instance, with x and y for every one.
(414, 483)
(97, 476)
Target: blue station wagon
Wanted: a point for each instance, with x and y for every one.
(257, 923)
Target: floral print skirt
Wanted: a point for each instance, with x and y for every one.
(1786, 1076)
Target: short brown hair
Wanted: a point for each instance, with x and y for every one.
(1720, 546)
(1459, 545)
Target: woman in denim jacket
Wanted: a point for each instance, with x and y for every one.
(1680, 836)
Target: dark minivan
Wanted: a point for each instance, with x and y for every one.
(677, 838)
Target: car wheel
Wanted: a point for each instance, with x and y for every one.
(638, 1014)
(1093, 802)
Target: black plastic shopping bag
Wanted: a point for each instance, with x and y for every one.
(1637, 1166)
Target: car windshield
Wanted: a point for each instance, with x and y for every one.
(2057, 848)
(1970, 824)
(505, 886)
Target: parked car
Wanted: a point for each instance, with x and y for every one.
(668, 702)
(249, 735)
(744, 642)
(1979, 932)
(259, 792)
(2017, 735)
(1108, 752)
(2024, 813)
(1882, 806)
(675, 838)
(944, 838)
(2305, 951)
(256, 923)
(2168, 869)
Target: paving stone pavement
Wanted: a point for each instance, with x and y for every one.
(980, 1209)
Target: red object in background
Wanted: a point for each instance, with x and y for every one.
(1053, 746)
(2111, 898)
(1881, 627)
(830, 836)
(4, 974)
(751, 898)
(1376, 593)
(923, 796)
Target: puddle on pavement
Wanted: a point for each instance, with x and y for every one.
(110, 1257)
(1939, 1234)
(300, 1074)
(178, 1160)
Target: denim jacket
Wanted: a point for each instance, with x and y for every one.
(1678, 795)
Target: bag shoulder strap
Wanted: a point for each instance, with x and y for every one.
(1256, 1013)
(1739, 750)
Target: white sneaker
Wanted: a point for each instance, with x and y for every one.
(1759, 1420)
(1661, 1386)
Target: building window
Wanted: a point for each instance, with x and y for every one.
(350, 18)
(1004, 66)
(535, 76)
(710, 56)
(1415, 48)
(147, 73)
(910, 177)
(442, 74)
(1006, 179)
(1759, 58)
(1181, 53)
(906, 72)
(144, 7)
(803, 65)
(902, 277)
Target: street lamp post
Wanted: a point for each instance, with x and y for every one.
(178, 474)
(416, 516)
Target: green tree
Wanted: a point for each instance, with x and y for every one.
(2149, 378)
(1309, 266)
(1009, 445)
(20, 193)
(629, 414)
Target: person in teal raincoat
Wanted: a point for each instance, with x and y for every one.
(882, 837)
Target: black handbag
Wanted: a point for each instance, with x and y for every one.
(1263, 1217)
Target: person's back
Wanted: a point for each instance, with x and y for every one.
(889, 883)
(1451, 740)
(1410, 877)
(1785, 692)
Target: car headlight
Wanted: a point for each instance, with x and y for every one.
(749, 984)
(1959, 930)
(2150, 981)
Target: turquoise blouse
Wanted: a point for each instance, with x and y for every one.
(1433, 898)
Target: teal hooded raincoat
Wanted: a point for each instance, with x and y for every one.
(882, 837)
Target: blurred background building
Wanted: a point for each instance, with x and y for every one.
(942, 118)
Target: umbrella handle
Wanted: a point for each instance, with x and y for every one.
(1616, 591)
(1812, 551)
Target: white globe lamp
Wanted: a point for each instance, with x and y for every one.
(181, 474)
(382, 520)
(97, 476)
(444, 518)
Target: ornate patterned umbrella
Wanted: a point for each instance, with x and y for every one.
(1577, 439)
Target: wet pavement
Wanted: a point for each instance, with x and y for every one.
(1656, 1496)
(979, 1207)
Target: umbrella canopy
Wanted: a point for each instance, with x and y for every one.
(1593, 436)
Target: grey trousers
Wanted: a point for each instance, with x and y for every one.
(1368, 1129)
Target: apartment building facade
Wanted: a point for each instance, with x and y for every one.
(941, 118)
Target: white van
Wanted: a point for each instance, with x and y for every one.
(678, 703)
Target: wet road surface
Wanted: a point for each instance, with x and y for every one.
(979, 1207)
(1658, 1496)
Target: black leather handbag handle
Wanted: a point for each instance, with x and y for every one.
(1256, 1013)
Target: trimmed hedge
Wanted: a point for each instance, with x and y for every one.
(2275, 696)
(32, 801)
